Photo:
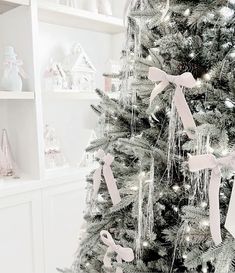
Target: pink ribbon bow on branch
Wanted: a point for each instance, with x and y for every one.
(209, 161)
(123, 254)
(184, 80)
(108, 175)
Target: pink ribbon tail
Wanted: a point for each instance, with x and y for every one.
(109, 178)
(209, 161)
(230, 220)
(214, 189)
(111, 184)
(184, 112)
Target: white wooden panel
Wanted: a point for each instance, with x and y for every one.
(21, 234)
(63, 217)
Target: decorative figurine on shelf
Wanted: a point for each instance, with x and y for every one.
(89, 157)
(54, 158)
(91, 5)
(79, 70)
(12, 71)
(112, 76)
(69, 3)
(55, 77)
(7, 164)
(104, 7)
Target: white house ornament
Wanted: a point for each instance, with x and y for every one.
(104, 7)
(12, 72)
(112, 76)
(55, 77)
(88, 158)
(79, 70)
(69, 3)
(54, 157)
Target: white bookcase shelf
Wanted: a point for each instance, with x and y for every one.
(6, 5)
(76, 95)
(71, 95)
(16, 2)
(67, 16)
(7, 95)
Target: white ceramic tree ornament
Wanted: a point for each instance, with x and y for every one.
(11, 79)
(104, 7)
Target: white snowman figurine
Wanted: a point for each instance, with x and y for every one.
(11, 78)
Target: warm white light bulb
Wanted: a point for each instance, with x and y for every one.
(229, 104)
(204, 269)
(187, 12)
(192, 55)
(185, 256)
(142, 175)
(176, 188)
(205, 223)
(187, 238)
(203, 204)
(87, 264)
(145, 243)
(207, 77)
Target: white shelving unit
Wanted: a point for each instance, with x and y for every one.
(67, 16)
(5, 95)
(47, 205)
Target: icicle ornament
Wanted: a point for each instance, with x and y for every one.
(140, 228)
(150, 214)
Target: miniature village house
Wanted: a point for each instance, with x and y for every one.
(79, 70)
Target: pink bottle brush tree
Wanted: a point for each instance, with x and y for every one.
(7, 163)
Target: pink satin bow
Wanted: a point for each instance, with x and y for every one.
(184, 80)
(109, 178)
(209, 161)
(123, 254)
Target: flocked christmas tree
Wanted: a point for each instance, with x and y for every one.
(172, 184)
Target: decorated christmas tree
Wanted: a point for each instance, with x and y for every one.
(161, 200)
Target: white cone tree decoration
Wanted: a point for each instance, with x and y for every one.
(7, 164)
